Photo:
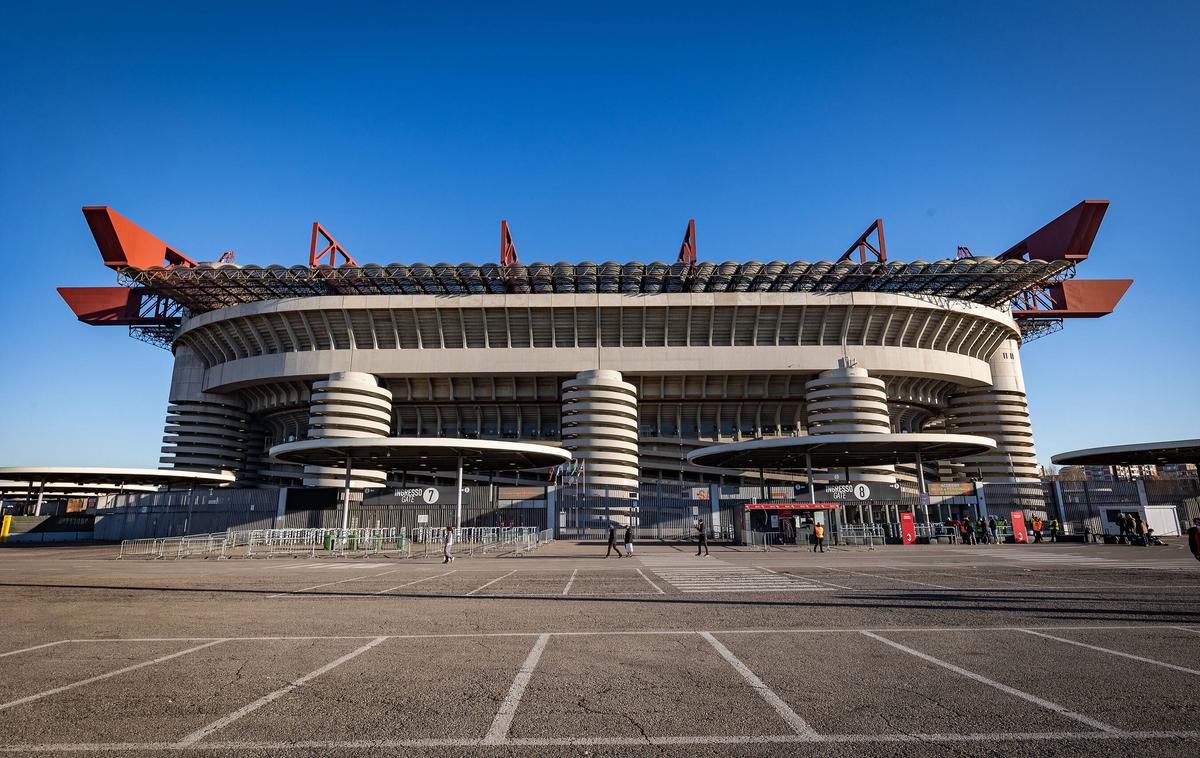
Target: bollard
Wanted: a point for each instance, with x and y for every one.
(329, 540)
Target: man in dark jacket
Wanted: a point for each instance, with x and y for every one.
(1194, 538)
(702, 537)
(612, 542)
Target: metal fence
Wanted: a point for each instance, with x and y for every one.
(270, 542)
(656, 511)
(175, 514)
(659, 511)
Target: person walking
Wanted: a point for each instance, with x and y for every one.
(702, 537)
(629, 542)
(448, 545)
(1054, 529)
(1193, 535)
(981, 531)
(991, 527)
(819, 537)
(1037, 528)
(612, 542)
(964, 528)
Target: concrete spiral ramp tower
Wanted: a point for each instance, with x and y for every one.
(600, 427)
(348, 404)
(208, 433)
(1002, 413)
(846, 400)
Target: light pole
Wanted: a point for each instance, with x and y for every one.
(346, 498)
(458, 492)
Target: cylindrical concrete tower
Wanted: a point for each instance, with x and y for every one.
(600, 427)
(1000, 412)
(348, 404)
(205, 431)
(846, 400)
(205, 434)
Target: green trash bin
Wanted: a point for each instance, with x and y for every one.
(329, 540)
(379, 544)
(354, 542)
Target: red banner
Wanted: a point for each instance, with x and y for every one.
(907, 529)
(791, 506)
(1018, 523)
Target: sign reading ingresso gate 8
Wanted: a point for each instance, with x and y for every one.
(857, 491)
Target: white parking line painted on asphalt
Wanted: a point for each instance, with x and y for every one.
(567, 589)
(330, 565)
(416, 581)
(893, 578)
(654, 632)
(825, 583)
(489, 584)
(367, 746)
(330, 584)
(89, 680)
(220, 723)
(798, 725)
(716, 575)
(657, 589)
(498, 732)
(1059, 709)
(1111, 652)
(35, 647)
(1186, 629)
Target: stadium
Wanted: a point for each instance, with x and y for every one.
(630, 366)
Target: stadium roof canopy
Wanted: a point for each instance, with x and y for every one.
(839, 451)
(89, 475)
(1177, 451)
(209, 286)
(422, 454)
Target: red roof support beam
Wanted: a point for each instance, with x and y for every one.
(508, 250)
(112, 306)
(1072, 298)
(1067, 238)
(124, 244)
(331, 249)
(687, 251)
(862, 245)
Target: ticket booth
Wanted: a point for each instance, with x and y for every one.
(795, 523)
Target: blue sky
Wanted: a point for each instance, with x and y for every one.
(597, 130)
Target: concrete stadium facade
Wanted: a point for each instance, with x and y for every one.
(662, 375)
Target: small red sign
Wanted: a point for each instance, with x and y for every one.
(908, 529)
(1018, 522)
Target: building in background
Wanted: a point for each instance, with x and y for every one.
(628, 364)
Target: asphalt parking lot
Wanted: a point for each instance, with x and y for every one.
(1013, 650)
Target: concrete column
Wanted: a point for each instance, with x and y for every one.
(205, 431)
(846, 400)
(348, 404)
(1001, 412)
(600, 428)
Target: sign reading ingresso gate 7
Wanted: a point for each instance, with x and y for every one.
(860, 491)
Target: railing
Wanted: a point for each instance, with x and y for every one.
(342, 542)
(480, 540)
(930, 532)
(862, 534)
(762, 540)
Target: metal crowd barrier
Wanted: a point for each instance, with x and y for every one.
(342, 542)
(863, 534)
(480, 540)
